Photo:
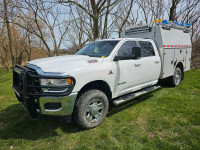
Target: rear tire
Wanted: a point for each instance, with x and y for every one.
(175, 80)
(91, 109)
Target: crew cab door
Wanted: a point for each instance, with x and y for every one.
(127, 72)
(150, 62)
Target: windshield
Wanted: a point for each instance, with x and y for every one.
(98, 48)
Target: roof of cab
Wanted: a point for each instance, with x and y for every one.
(120, 39)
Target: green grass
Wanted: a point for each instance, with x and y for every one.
(166, 119)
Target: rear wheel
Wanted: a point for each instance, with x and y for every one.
(91, 109)
(176, 78)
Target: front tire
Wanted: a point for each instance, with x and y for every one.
(175, 80)
(91, 109)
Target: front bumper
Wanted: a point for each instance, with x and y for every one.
(29, 92)
(59, 106)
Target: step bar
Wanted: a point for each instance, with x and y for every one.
(133, 95)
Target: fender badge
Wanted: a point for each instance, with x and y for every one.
(92, 61)
(111, 72)
(122, 83)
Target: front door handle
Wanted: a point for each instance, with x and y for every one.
(137, 65)
(157, 62)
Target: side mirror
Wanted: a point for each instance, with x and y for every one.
(136, 51)
(117, 58)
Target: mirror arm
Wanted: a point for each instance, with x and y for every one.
(115, 59)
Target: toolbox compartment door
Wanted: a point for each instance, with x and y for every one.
(168, 62)
(180, 54)
(188, 58)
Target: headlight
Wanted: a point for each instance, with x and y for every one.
(56, 83)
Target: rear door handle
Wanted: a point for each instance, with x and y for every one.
(137, 65)
(157, 62)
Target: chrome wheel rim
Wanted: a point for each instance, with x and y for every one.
(177, 76)
(94, 110)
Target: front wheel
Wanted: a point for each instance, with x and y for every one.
(175, 80)
(91, 109)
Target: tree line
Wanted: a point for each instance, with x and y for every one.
(54, 27)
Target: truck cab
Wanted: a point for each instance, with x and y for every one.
(135, 73)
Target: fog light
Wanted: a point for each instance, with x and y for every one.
(52, 106)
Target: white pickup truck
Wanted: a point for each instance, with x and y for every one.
(111, 70)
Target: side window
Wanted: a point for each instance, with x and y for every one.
(126, 48)
(146, 49)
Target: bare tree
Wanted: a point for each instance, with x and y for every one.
(42, 18)
(122, 15)
(172, 13)
(79, 30)
(195, 59)
(28, 49)
(4, 52)
(6, 18)
(95, 10)
(51, 25)
(151, 9)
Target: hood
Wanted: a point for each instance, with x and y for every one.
(63, 64)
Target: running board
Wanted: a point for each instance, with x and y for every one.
(133, 95)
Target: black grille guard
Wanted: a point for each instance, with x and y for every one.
(27, 87)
